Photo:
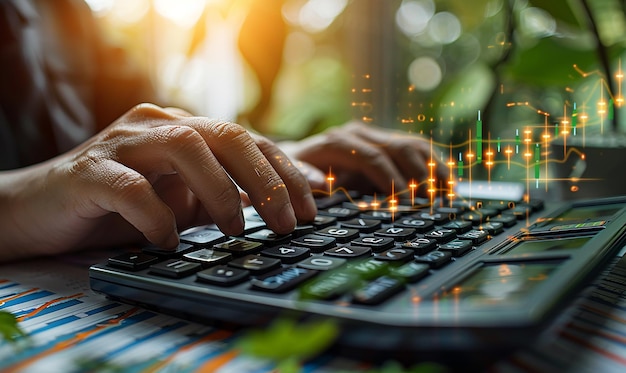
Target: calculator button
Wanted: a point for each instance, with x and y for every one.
(287, 254)
(420, 225)
(314, 242)
(434, 259)
(441, 235)
(239, 247)
(421, 245)
(377, 291)
(282, 280)
(348, 252)
(329, 286)
(181, 249)
(375, 243)
(175, 268)
(397, 233)
(369, 269)
(202, 236)
(460, 226)
(268, 237)
(492, 227)
(436, 217)
(383, 216)
(255, 264)
(223, 275)
(475, 236)
(410, 272)
(363, 225)
(506, 220)
(322, 263)
(341, 213)
(342, 235)
(321, 221)
(133, 261)
(457, 247)
(396, 254)
(208, 257)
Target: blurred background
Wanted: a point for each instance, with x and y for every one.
(529, 73)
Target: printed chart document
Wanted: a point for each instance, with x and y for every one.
(71, 328)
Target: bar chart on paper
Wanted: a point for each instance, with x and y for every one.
(72, 329)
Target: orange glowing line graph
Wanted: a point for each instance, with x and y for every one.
(47, 304)
(75, 340)
(18, 295)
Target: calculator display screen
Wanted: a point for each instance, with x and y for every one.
(500, 284)
(542, 245)
(589, 212)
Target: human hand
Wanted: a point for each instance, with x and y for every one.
(153, 171)
(365, 158)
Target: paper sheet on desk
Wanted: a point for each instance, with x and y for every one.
(73, 329)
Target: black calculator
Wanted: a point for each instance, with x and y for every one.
(401, 278)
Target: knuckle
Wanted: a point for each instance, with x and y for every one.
(228, 131)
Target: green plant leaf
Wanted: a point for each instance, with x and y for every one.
(286, 339)
(550, 63)
(9, 328)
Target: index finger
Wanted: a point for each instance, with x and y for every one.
(237, 152)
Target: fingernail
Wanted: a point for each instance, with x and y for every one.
(287, 218)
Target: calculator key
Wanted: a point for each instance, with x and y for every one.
(282, 280)
(375, 243)
(420, 225)
(342, 235)
(383, 216)
(397, 233)
(410, 272)
(369, 268)
(223, 275)
(474, 217)
(487, 212)
(322, 263)
(492, 227)
(442, 235)
(457, 247)
(377, 291)
(287, 254)
(348, 252)
(363, 225)
(181, 249)
(521, 211)
(341, 213)
(436, 217)
(133, 261)
(175, 268)
(396, 254)
(421, 245)
(255, 264)
(329, 286)
(208, 257)
(268, 237)
(302, 230)
(314, 242)
(321, 221)
(459, 226)
(202, 236)
(434, 259)
(506, 220)
(475, 236)
(239, 247)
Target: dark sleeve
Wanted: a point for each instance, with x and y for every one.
(59, 81)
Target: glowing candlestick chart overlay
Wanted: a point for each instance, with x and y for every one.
(527, 149)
